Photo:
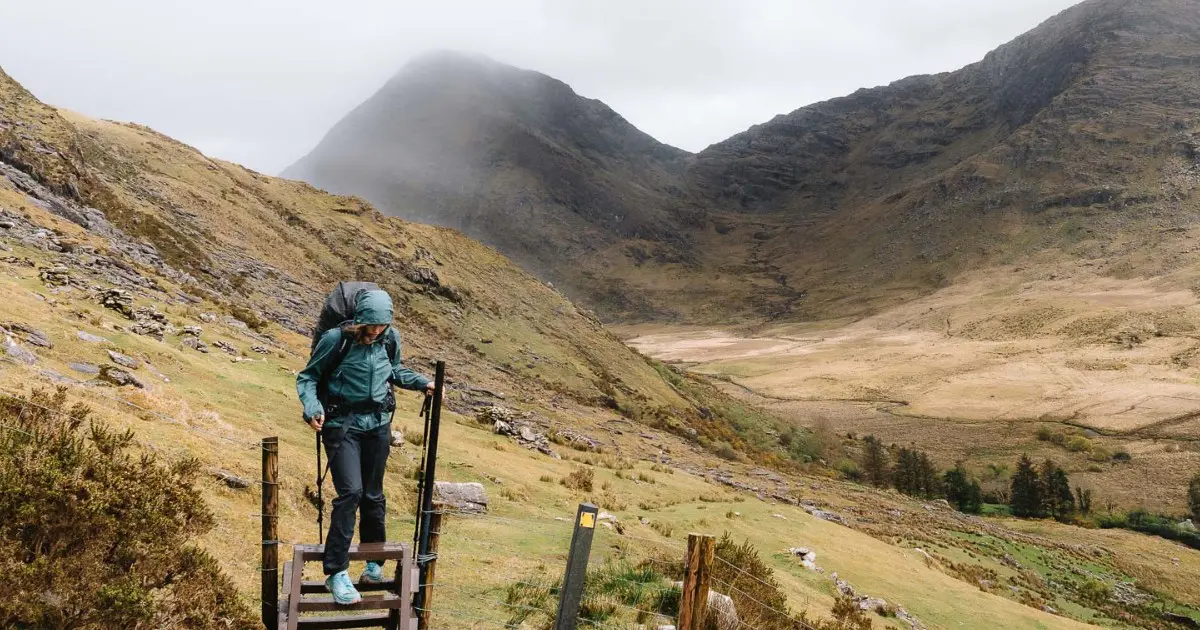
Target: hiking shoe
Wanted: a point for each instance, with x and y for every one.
(373, 574)
(342, 589)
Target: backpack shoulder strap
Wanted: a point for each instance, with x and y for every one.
(339, 352)
(393, 345)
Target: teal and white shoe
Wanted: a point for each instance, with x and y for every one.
(373, 574)
(342, 588)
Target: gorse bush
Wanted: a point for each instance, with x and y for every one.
(96, 534)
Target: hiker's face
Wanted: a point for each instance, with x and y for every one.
(371, 333)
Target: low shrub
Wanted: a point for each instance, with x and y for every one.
(580, 479)
(97, 534)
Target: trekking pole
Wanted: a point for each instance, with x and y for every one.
(320, 496)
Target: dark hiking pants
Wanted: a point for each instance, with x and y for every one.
(356, 465)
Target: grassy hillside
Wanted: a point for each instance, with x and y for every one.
(90, 206)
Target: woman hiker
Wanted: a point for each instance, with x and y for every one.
(352, 412)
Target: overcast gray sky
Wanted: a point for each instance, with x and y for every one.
(260, 81)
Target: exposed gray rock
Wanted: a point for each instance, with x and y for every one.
(151, 323)
(55, 377)
(195, 344)
(397, 439)
(124, 360)
(85, 368)
(90, 338)
(872, 604)
(193, 331)
(118, 300)
(226, 347)
(56, 276)
(261, 349)
(231, 480)
(16, 352)
(465, 497)
(114, 375)
(30, 335)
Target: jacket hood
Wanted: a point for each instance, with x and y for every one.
(373, 308)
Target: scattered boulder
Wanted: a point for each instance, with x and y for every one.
(722, 611)
(424, 275)
(843, 586)
(261, 349)
(872, 604)
(56, 276)
(18, 353)
(397, 439)
(30, 335)
(85, 368)
(89, 337)
(465, 497)
(208, 318)
(55, 377)
(1187, 525)
(231, 480)
(226, 347)
(193, 331)
(195, 344)
(495, 413)
(114, 375)
(124, 360)
(151, 323)
(118, 300)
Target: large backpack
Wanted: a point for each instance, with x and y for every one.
(339, 311)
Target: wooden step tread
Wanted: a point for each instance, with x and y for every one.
(365, 551)
(373, 620)
(370, 601)
(310, 587)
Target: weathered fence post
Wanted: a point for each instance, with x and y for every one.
(435, 534)
(270, 533)
(571, 594)
(697, 571)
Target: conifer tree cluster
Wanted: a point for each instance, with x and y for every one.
(1043, 491)
(915, 474)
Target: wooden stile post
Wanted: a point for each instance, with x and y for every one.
(270, 533)
(697, 571)
(435, 533)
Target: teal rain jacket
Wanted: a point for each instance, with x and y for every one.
(365, 373)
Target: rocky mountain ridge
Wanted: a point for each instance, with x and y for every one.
(838, 208)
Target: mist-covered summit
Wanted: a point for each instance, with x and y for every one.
(512, 157)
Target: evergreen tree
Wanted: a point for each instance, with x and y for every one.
(927, 476)
(875, 463)
(1194, 498)
(1083, 499)
(962, 491)
(1026, 490)
(905, 476)
(1064, 500)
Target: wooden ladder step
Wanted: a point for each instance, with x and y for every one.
(311, 587)
(372, 601)
(366, 551)
(373, 620)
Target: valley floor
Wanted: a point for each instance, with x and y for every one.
(972, 372)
